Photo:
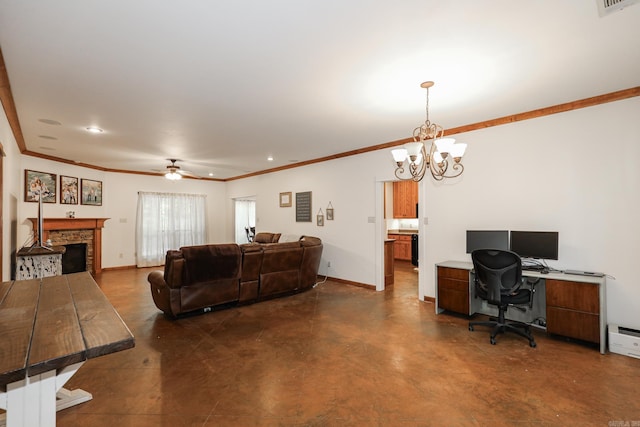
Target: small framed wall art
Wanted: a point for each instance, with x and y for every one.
(285, 200)
(39, 183)
(320, 219)
(91, 192)
(330, 212)
(68, 190)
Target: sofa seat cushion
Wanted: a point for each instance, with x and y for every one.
(210, 293)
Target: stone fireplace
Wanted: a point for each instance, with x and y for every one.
(66, 231)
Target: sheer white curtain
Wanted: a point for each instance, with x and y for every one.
(245, 217)
(168, 221)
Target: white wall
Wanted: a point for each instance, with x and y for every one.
(350, 185)
(574, 173)
(11, 194)
(120, 198)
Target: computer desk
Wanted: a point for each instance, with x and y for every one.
(568, 305)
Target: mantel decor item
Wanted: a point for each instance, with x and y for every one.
(285, 200)
(320, 219)
(330, 212)
(416, 158)
(68, 190)
(38, 184)
(91, 192)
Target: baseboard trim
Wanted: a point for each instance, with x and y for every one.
(122, 267)
(349, 282)
(429, 299)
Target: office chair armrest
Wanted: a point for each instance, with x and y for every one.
(532, 287)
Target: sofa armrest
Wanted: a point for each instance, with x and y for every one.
(174, 270)
(163, 296)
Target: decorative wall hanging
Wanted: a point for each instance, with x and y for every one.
(303, 206)
(91, 192)
(39, 183)
(285, 200)
(68, 190)
(320, 219)
(329, 212)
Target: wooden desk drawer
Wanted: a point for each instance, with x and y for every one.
(453, 273)
(453, 300)
(574, 324)
(573, 295)
(453, 284)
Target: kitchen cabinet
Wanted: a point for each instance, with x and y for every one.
(401, 246)
(405, 199)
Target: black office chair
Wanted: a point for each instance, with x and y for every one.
(251, 233)
(498, 279)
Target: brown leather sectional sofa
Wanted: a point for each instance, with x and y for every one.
(200, 278)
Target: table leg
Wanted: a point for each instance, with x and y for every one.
(34, 400)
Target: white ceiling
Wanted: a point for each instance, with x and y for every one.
(225, 84)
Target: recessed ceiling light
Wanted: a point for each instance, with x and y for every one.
(53, 138)
(94, 129)
(210, 173)
(270, 158)
(50, 122)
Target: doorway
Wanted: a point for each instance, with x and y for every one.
(401, 224)
(245, 219)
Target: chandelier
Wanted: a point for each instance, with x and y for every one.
(442, 156)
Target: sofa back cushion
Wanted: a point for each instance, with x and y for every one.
(211, 262)
(265, 237)
(251, 261)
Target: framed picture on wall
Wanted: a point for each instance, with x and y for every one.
(68, 190)
(91, 192)
(39, 183)
(285, 200)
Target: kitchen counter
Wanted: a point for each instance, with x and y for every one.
(403, 231)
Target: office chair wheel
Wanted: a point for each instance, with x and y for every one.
(471, 328)
(532, 344)
(492, 340)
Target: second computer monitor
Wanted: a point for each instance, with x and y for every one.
(535, 244)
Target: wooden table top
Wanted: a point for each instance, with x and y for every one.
(54, 322)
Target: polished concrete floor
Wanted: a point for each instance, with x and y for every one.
(340, 355)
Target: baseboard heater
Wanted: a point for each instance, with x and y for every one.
(625, 341)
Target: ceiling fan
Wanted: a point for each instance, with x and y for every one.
(174, 172)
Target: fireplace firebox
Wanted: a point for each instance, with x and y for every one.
(74, 260)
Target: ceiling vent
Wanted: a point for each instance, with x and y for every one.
(607, 7)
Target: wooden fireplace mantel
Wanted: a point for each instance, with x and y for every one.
(95, 224)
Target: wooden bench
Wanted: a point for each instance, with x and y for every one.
(49, 328)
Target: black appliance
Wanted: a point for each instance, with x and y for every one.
(414, 249)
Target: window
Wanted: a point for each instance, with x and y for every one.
(168, 221)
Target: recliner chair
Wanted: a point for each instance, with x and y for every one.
(498, 280)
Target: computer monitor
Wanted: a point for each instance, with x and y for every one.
(535, 244)
(487, 239)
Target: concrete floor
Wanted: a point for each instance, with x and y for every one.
(340, 355)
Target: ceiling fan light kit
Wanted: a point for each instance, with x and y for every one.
(172, 171)
(442, 158)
